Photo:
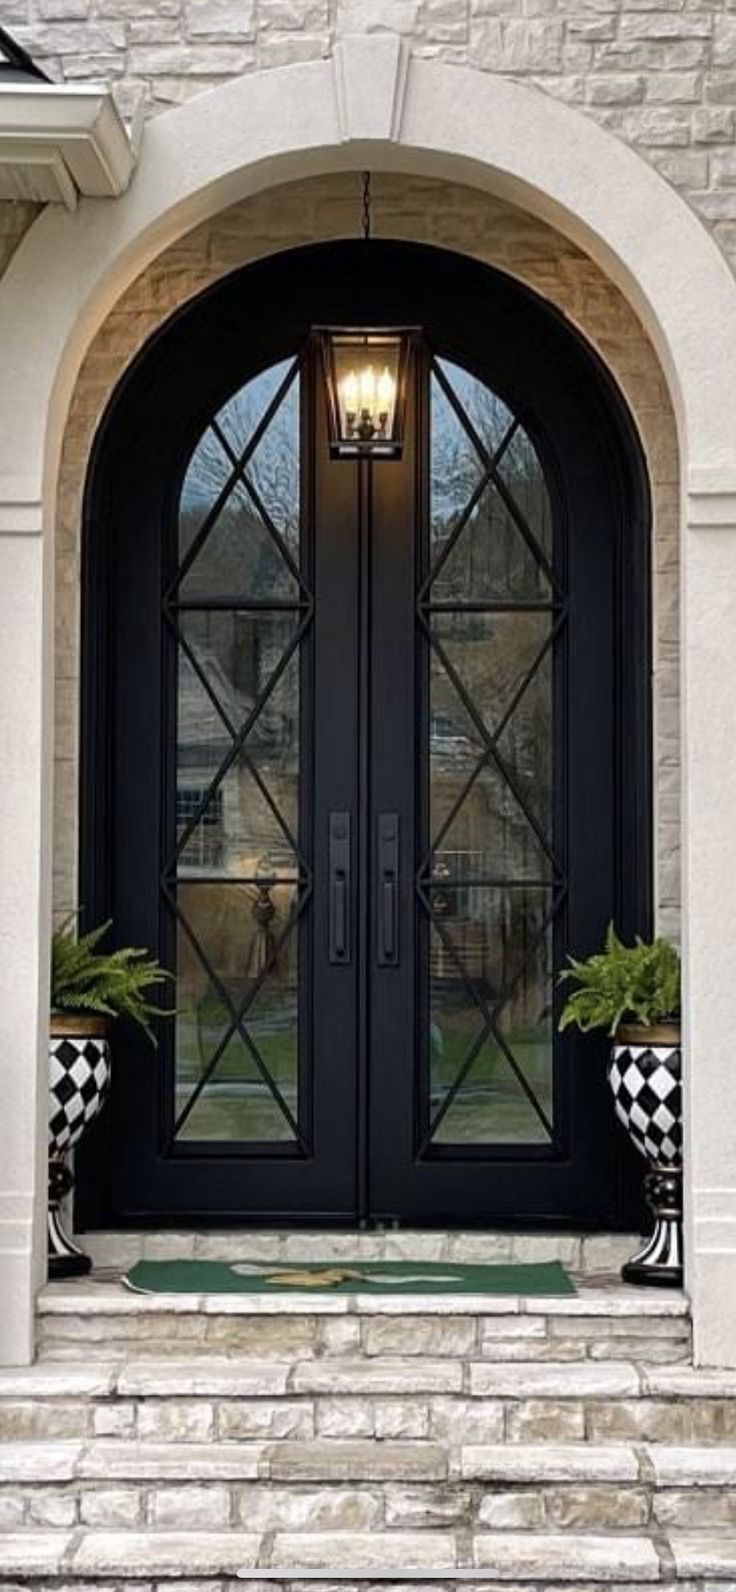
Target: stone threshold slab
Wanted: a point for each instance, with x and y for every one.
(93, 1297)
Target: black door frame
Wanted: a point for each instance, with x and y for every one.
(209, 337)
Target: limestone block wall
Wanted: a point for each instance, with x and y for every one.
(425, 211)
(660, 74)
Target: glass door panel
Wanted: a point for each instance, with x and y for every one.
(489, 886)
(237, 877)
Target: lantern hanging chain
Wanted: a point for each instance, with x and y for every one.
(366, 205)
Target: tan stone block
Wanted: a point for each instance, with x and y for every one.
(339, 1336)
(566, 1556)
(542, 1420)
(53, 1508)
(653, 1420)
(31, 1420)
(512, 1510)
(209, 1375)
(433, 1506)
(35, 1552)
(151, 1553)
(704, 1554)
(12, 1510)
(355, 1461)
(552, 1380)
(263, 1337)
(176, 1420)
(346, 1418)
(114, 1420)
(254, 1418)
(401, 1418)
(191, 1508)
(377, 1376)
(326, 1509)
(598, 1508)
(399, 1550)
(110, 1507)
(466, 1420)
(549, 1463)
(695, 1509)
(419, 1335)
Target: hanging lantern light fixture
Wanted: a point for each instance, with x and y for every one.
(365, 371)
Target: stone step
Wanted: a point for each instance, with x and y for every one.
(599, 1323)
(82, 1558)
(447, 1400)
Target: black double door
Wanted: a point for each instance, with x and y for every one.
(376, 755)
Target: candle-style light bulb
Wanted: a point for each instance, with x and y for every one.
(350, 392)
(367, 388)
(386, 390)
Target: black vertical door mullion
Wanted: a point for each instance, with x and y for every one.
(335, 737)
(391, 1087)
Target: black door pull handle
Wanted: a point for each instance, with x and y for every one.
(338, 911)
(388, 890)
(388, 887)
(339, 914)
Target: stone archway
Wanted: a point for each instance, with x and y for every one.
(371, 104)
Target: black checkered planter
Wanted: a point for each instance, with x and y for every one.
(645, 1074)
(79, 1074)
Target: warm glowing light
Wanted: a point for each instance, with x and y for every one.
(365, 374)
(386, 389)
(350, 392)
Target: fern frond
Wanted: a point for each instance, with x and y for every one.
(639, 983)
(114, 984)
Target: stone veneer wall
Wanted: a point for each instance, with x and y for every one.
(661, 74)
(426, 211)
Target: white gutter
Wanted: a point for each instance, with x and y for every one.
(58, 141)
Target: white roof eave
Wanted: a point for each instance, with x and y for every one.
(60, 141)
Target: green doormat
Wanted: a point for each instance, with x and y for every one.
(344, 1277)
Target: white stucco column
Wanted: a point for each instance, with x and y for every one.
(26, 762)
(709, 904)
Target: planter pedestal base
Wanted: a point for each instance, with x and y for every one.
(659, 1263)
(65, 1258)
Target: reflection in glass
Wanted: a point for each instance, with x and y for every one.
(489, 880)
(255, 799)
(492, 655)
(236, 874)
(490, 560)
(521, 472)
(487, 943)
(238, 930)
(239, 556)
(488, 415)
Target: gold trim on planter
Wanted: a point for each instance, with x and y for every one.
(638, 1034)
(78, 1025)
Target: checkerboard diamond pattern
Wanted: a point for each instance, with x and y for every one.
(79, 1072)
(647, 1090)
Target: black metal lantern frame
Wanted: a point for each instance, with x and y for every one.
(366, 370)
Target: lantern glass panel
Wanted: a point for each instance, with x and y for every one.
(366, 373)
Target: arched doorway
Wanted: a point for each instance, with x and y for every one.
(366, 752)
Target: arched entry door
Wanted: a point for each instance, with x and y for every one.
(366, 750)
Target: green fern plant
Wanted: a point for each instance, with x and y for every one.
(639, 983)
(110, 983)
